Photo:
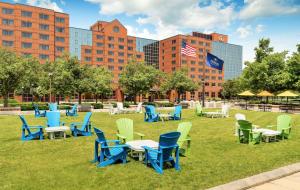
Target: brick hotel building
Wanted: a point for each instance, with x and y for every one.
(46, 34)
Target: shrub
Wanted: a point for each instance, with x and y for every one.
(165, 104)
(150, 103)
(97, 105)
(126, 104)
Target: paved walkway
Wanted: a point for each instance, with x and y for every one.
(291, 182)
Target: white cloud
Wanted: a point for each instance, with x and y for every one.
(244, 32)
(259, 28)
(48, 4)
(171, 17)
(264, 8)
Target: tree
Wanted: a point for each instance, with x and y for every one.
(138, 78)
(293, 70)
(102, 78)
(298, 48)
(180, 82)
(263, 49)
(11, 73)
(231, 88)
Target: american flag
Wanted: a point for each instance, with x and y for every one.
(188, 50)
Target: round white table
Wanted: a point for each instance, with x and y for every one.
(60, 129)
(268, 133)
(137, 147)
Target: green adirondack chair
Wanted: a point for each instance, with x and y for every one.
(247, 135)
(125, 130)
(184, 129)
(199, 110)
(284, 126)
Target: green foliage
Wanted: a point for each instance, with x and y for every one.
(263, 49)
(102, 79)
(231, 88)
(179, 81)
(97, 105)
(138, 78)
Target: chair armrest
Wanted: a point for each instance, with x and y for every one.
(116, 146)
(139, 134)
(113, 141)
(150, 149)
(121, 136)
(36, 127)
(76, 123)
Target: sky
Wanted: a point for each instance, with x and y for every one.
(244, 21)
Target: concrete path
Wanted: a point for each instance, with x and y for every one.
(291, 182)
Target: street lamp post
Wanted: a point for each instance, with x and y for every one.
(203, 91)
(50, 76)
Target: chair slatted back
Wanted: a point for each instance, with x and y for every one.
(167, 142)
(125, 128)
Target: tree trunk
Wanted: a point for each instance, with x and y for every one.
(96, 98)
(58, 100)
(102, 98)
(178, 99)
(5, 100)
(134, 99)
(79, 98)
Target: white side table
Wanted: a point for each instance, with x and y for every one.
(137, 147)
(164, 117)
(268, 134)
(52, 130)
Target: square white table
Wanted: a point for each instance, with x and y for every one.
(164, 116)
(136, 146)
(52, 130)
(267, 133)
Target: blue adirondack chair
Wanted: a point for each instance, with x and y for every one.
(37, 112)
(52, 106)
(157, 158)
(30, 135)
(53, 119)
(109, 154)
(150, 114)
(73, 111)
(176, 114)
(85, 129)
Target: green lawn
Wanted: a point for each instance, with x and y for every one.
(215, 157)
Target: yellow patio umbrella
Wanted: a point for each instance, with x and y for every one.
(287, 94)
(246, 93)
(265, 94)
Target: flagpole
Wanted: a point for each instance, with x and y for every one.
(203, 84)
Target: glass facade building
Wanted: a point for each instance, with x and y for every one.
(150, 49)
(232, 56)
(79, 37)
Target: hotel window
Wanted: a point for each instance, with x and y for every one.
(120, 68)
(213, 78)
(7, 32)
(173, 41)
(26, 35)
(220, 78)
(201, 43)
(200, 50)
(200, 63)
(44, 47)
(59, 39)
(7, 11)
(116, 29)
(59, 19)
(44, 27)
(99, 51)
(26, 14)
(138, 56)
(121, 54)
(110, 53)
(173, 55)
(43, 56)
(99, 37)
(192, 69)
(220, 72)
(206, 70)
(129, 55)
(88, 59)
(121, 60)
(7, 21)
(121, 40)
(173, 68)
(26, 24)
(213, 71)
(110, 60)
(111, 68)
(207, 77)
(110, 38)
(60, 49)
(26, 45)
(192, 76)
(207, 44)
(87, 51)
(200, 70)
(213, 84)
(99, 44)
(44, 16)
(60, 29)
(44, 37)
(130, 48)
(200, 76)
(121, 47)
(111, 46)
(213, 94)
(99, 59)
(193, 42)
(183, 61)
(173, 48)
(201, 56)
(7, 43)
(173, 62)
(130, 41)
(193, 62)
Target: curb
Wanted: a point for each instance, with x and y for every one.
(259, 179)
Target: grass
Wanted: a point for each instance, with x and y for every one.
(215, 158)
